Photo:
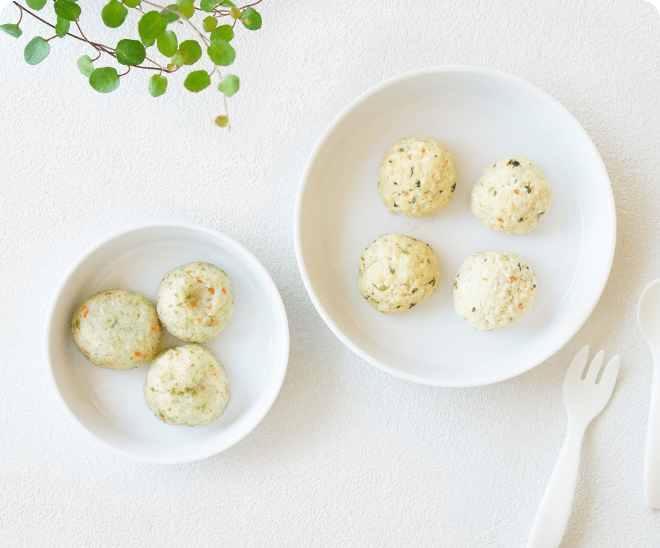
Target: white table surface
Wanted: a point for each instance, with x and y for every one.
(347, 456)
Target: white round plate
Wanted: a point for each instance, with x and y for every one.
(109, 405)
(483, 116)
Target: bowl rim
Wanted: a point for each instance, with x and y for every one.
(577, 320)
(279, 371)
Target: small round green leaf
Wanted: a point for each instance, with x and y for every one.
(222, 121)
(130, 52)
(251, 19)
(167, 43)
(223, 32)
(197, 81)
(208, 5)
(36, 4)
(113, 14)
(185, 3)
(157, 85)
(187, 11)
(194, 51)
(86, 65)
(227, 4)
(235, 12)
(221, 53)
(11, 30)
(210, 23)
(62, 27)
(36, 50)
(132, 3)
(229, 85)
(168, 15)
(67, 10)
(104, 80)
(151, 25)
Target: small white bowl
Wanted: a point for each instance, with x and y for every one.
(109, 405)
(483, 116)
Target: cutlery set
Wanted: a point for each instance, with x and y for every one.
(586, 393)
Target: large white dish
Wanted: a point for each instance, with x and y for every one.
(483, 116)
(109, 405)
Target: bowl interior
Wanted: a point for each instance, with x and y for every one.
(482, 116)
(253, 348)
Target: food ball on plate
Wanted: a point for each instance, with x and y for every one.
(195, 301)
(187, 385)
(116, 329)
(511, 196)
(417, 177)
(397, 272)
(494, 290)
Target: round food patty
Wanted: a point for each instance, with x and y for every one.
(195, 301)
(187, 385)
(417, 177)
(511, 196)
(397, 272)
(494, 290)
(116, 329)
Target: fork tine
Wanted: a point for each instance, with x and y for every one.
(610, 374)
(574, 372)
(594, 368)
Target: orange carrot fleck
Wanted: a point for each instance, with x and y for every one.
(199, 320)
(500, 219)
(409, 157)
(405, 194)
(199, 281)
(194, 305)
(154, 328)
(209, 307)
(85, 311)
(85, 351)
(200, 264)
(426, 191)
(455, 286)
(138, 354)
(211, 291)
(423, 150)
(202, 387)
(516, 192)
(422, 261)
(223, 290)
(520, 306)
(362, 258)
(512, 279)
(188, 271)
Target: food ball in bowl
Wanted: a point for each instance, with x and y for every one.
(195, 301)
(187, 385)
(417, 177)
(116, 329)
(397, 272)
(494, 290)
(511, 196)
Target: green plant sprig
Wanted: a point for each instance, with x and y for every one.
(153, 29)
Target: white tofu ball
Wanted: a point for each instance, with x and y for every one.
(397, 272)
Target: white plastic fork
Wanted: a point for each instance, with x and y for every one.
(584, 400)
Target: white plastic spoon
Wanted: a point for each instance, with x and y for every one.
(648, 319)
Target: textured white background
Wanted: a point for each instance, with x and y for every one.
(348, 455)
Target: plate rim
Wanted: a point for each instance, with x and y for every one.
(281, 319)
(577, 321)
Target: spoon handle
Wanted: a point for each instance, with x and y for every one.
(652, 460)
(552, 516)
